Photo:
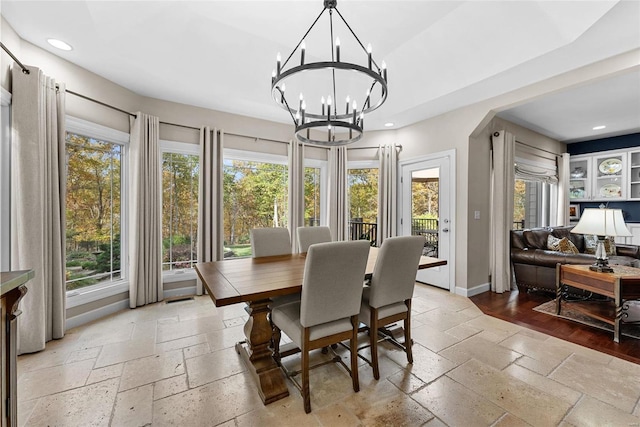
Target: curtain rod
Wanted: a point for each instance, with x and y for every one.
(6, 49)
(104, 104)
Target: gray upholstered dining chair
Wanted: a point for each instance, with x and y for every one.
(270, 241)
(328, 309)
(308, 236)
(388, 299)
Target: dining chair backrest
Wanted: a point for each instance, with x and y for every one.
(394, 275)
(308, 236)
(332, 282)
(270, 241)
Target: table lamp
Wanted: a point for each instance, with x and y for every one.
(601, 222)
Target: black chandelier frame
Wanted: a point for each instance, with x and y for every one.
(352, 124)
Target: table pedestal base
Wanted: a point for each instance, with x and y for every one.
(258, 356)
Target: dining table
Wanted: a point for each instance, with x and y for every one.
(255, 281)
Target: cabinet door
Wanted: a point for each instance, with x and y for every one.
(635, 231)
(580, 179)
(634, 175)
(609, 177)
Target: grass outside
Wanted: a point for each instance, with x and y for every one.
(238, 250)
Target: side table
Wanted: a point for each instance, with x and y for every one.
(622, 285)
(12, 289)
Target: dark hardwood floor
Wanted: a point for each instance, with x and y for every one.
(517, 307)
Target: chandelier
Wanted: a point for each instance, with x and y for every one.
(318, 113)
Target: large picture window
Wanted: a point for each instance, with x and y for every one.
(93, 210)
(180, 173)
(255, 196)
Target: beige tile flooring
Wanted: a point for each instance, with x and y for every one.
(175, 365)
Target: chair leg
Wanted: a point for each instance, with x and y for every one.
(305, 372)
(353, 344)
(373, 339)
(275, 342)
(408, 342)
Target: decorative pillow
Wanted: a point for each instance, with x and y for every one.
(563, 245)
(591, 242)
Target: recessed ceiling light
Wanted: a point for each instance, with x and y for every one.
(389, 124)
(59, 44)
(599, 127)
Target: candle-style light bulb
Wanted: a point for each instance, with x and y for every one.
(337, 49)
(273, 76)
(369, 54)
(384, 70)
(303, 107)
(278, 59)
(284, 87)
(303, 47)
(322, 100)
(348, 102)
(300, 104)
(354, 105)
(298, 117)
(329, 108)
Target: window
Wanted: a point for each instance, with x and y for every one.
(180, 174)
(535, 194)
(255, 195)
(96, 242)
(315, 192)
(362, 184)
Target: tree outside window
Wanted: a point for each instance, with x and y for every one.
(180, 174)
(255, 196)
(93, 211)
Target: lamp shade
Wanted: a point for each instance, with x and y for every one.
(602, 222)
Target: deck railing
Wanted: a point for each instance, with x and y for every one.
(360, 230)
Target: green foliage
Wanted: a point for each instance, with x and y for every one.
(363, 194)
(104, 258)
(74, 263)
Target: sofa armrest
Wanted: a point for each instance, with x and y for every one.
(628, 250)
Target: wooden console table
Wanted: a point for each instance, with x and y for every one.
(622, 285)
(12, 289)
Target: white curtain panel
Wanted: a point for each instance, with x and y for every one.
(38, 181)
(145, 218)
(387, 192)
(296, 191)
(337, 194)
(210, 216)
(563, 189)
(502, 187)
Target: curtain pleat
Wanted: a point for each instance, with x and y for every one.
(502, 188)
(337, 194)
(387, 192)
(563, 189)
(296, 191)
(210, 216)
(145, 218)
(37, 202)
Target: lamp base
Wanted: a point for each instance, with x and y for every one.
(601, 266)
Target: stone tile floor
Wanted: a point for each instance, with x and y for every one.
(175, 365)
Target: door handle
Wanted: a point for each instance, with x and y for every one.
(445, 230)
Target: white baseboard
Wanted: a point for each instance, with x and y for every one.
(476, 290)
(96, 314)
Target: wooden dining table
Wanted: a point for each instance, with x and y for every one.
(255, 281)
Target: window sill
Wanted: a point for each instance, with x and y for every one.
(84, 296)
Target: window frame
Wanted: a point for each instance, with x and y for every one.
(77, 297)
(177, 147)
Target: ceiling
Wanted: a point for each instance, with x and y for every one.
(441, 55)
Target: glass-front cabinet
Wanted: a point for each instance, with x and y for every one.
(599, 177)
(634, 175)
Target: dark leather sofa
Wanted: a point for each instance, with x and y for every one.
(534, 266)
